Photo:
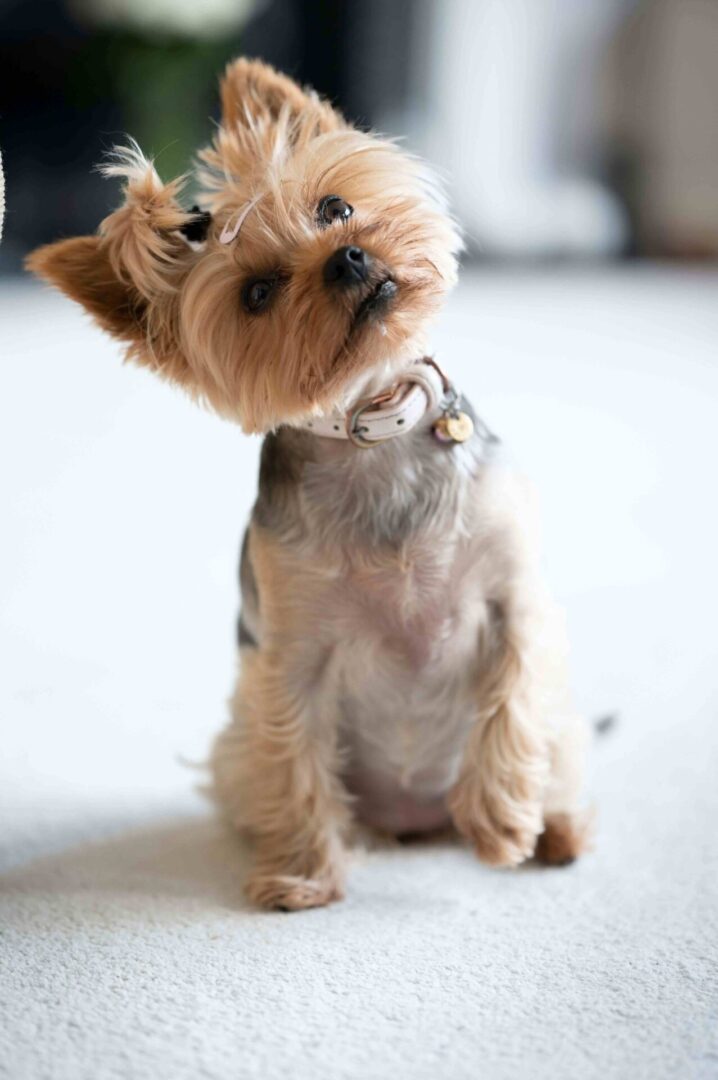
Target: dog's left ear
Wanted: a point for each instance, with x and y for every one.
(254, 94)
(265, 116)
(128, 276)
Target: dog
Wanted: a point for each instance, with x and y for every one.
(401, 662)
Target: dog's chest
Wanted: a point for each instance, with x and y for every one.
(406, 666)
(390, 565)
(415, 610)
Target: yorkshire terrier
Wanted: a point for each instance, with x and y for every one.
(401, 663)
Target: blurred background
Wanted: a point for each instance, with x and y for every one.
(566, 128)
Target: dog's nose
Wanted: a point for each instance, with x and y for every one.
(346, 267)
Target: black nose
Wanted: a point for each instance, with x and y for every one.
(347, 266)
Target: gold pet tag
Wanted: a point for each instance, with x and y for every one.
(458, 427)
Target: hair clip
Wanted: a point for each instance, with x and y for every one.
(231, 229)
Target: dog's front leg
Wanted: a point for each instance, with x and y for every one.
(496, 802)
(275, 772)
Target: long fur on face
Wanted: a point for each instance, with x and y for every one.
(278, 151)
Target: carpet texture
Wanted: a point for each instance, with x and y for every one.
(126, 948)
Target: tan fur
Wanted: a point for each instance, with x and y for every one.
(497, 802)
(276, 771)
(254, 92)
(404, 660)
(82, 268)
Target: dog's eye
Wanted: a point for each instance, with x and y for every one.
(333, 208)
(256, 294)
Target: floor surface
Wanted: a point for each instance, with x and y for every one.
(126, 948)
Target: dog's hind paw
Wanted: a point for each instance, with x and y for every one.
(565, 837)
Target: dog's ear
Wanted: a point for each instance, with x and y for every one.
(81, 268)
(129, 275)
(265, 117)
(252, 92)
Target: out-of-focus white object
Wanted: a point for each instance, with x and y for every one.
(513, 118)
(187, 18)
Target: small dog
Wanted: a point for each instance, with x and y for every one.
(401, 662)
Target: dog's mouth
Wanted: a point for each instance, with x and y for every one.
(375, 302)
(372, 306)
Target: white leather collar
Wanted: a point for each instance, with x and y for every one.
(394, 412)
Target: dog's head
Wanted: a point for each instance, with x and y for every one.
(321, 255)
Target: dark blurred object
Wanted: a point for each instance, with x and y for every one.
(2, 196)
(49, 140)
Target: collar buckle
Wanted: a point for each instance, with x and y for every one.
(355, 433)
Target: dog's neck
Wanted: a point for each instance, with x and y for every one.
(324, 491)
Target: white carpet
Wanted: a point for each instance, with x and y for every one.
(127, 951)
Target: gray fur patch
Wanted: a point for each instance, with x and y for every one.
(279, 471)
(312, 488)
(247, 580)
(245, 637)
(249, 615)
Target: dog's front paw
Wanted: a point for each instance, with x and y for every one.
(502, 846)
(501, 832)
(291, 892)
